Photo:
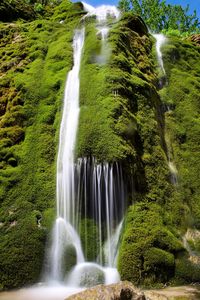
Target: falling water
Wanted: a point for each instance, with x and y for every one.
(111, 246)
(101, 196)
(160, 41)
(86, 190)
(173, 171)
(102, 13)
(64, 233)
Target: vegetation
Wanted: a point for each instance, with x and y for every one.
(182, 96)
(11, 10)
(159, 15)
(35, 59)
(123, 118)
(148, 249)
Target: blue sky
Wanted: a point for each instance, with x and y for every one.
(194, 4)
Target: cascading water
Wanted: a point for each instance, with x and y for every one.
(160, 41)
(101, 197)
(102, 13)
(87, 191)
(64, 234)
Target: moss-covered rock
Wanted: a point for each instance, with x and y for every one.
(142, 260)
(36, 57)
(13, 10)
(148, 249)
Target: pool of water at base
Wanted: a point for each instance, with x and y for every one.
(40, 293)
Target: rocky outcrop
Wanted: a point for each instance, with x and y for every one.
(126, 291)
(12, 10)
(120, 291)
(195, 38)
(173, 293)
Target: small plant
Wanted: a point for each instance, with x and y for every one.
(38, 7)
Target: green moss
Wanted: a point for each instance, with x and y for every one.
(108, 126)
(12, 10)
(158, 265)
(30, 116)
(181, 59)
(89, 234)
(96, 135)
(148, 247)
(187, 271)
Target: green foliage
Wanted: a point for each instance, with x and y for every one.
(15, 9)
(32, 91)
(124, 5)
(159, 15)
(38, 7)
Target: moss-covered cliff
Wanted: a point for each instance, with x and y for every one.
(36, 57)
(154, 243)
(123, 118)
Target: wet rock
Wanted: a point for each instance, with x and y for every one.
(123, 290)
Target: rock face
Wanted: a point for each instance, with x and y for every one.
(120, 291)
(173, 293)
(126, 291)
(195, 38)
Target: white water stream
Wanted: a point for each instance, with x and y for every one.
(85, 190)
(64, 233)
(160, 41)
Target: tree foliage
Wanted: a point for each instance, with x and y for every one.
(159, 15)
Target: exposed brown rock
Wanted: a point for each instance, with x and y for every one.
(123, 290)
(174, 293)
(195, 38)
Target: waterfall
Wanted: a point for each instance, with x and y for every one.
(102, 13)
(160, 41)
(101, 197)
(64, 233)
(90, 194)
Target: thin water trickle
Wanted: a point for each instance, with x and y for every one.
(160, 41)
(102, 13)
